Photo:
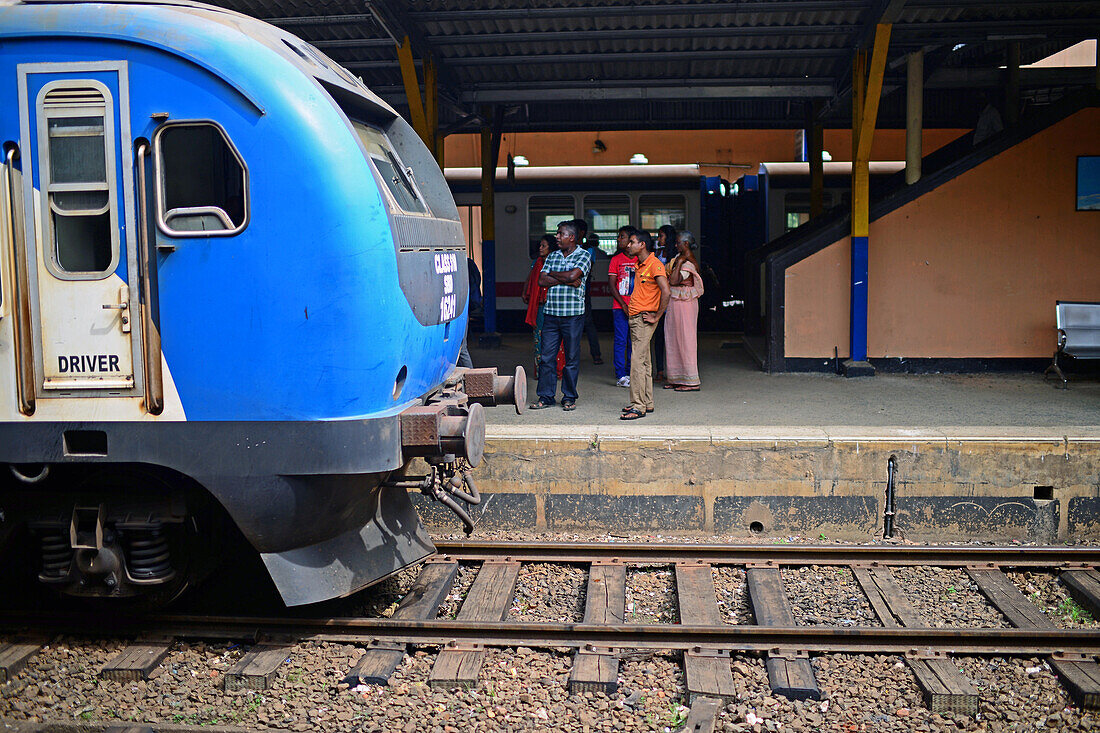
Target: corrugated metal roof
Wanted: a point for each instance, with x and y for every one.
(586, 64)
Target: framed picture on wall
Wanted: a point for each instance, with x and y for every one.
(1088, 183)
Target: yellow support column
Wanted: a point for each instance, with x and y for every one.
(859, 81)
(412, 91)
(865, 106)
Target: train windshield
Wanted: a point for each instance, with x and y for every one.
(397, 176)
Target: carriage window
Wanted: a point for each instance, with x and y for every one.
(78, 175)
(202, 181)
(543, 215)
(656, 210)
(605, 214)
(796, 207)
(390, 168)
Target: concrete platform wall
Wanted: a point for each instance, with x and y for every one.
(808, 482)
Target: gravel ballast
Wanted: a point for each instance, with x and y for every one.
(521, 689)
(651, 596)
(827, 595)
(947, 597)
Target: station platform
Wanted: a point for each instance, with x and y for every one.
(998, 456)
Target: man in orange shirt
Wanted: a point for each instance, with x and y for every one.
(647, 305)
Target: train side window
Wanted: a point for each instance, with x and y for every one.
(656, 210)
(543, 215)
(397, 176)
(77, 167)
(202, 182)
(605, 213)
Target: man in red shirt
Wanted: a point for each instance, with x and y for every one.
(647, 305)
(620, 275)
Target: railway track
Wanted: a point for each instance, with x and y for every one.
(703, 636)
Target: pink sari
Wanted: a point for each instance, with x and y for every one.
(682, 329)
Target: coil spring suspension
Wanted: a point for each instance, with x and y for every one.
(57, 555)
(147, 555)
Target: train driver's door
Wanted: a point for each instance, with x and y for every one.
(78, 173)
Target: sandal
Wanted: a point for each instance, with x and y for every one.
(670, 385)
(686, 388)
(568, 405)
(540, 405)
(631, 414)
(628, 408)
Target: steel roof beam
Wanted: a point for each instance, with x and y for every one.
(649, 56)
(932, 32)
(716, 8)
(678, 89)
(299, 20)
(652, 56)
(630, 11)
(753, 31)
(947, 78)
(959, 30)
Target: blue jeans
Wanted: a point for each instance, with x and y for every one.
(555, 331)
(621, 349)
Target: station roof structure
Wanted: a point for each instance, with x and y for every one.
(681, 64)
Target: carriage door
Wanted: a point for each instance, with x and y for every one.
(76, 147)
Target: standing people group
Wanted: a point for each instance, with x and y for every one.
(648, 280)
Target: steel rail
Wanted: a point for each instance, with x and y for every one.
(773, 555)
(860, 640)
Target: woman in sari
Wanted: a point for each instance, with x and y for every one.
(682, 317)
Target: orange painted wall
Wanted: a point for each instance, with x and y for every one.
(971, 269)
(748, 147)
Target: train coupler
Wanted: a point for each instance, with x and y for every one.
(486, 387)
(444, 428)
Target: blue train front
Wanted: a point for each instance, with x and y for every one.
(233, 293)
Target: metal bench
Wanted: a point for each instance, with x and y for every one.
(1078, 334)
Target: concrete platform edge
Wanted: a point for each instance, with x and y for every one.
(953, 483)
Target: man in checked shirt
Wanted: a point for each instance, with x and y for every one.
(565, 273)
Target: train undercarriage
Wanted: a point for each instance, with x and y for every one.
(144, 531)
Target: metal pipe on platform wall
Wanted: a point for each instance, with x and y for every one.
(914, 116)
(1012, 87)
(816, 133)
